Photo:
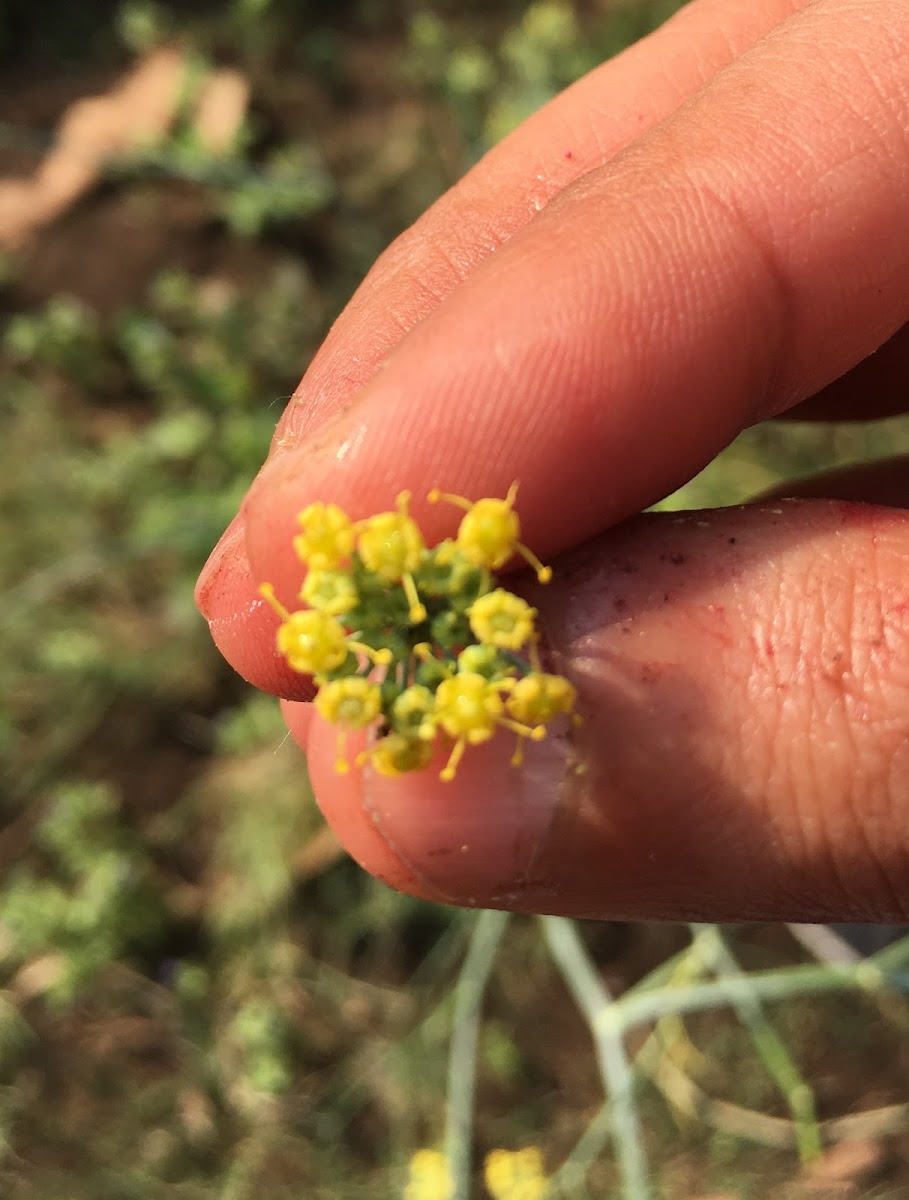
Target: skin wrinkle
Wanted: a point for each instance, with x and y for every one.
(432, 890)
(762, 682)
(876, 662)
(778, 309)
(836, 717)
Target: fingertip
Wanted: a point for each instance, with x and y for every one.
(219, 565)
(242, 625)
(472, 841)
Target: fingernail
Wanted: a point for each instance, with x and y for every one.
(211, 575)
(474, 841)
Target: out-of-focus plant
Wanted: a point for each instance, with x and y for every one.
(489, 90)
(94, 904)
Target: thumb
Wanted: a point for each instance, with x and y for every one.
(743, 679)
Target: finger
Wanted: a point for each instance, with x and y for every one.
(707, 277)
(744, 685)
(578, 131)
(877, 387)
(244, 619)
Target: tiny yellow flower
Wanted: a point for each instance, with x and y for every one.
(353, 702)
(539, 697)
(429, 1177)
(413, 711)
(327, 536)
(502, 619)
(396, 755)
(391, 545)
(312, 642)
(488, 535)
(332, 592)
(468, 706)
(515, 1175)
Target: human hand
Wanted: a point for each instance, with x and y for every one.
(707, 231)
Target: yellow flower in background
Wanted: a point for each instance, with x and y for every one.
(515, 1174)
(428, 1177)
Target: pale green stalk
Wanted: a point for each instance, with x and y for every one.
(462, 1063)
(600, 1011)
(771, 1048)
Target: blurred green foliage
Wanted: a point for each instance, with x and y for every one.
(200, 998)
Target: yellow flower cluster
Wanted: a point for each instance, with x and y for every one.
(447, 642)
(508, 1175)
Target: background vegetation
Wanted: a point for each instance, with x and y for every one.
(201, 997)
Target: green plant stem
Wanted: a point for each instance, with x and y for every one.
(640, 1009)
(462, 1065)
(598, 1007)
(771, 1048)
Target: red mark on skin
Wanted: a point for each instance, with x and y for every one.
(651, 672)
(714, 625)
(763, 649)
(853, 513)
(569, 154)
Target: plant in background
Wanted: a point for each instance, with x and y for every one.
(448, 642)
(96, 903)
(293, 1013)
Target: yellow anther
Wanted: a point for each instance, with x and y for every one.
(489, 534)
(326, 536)
(502, 619)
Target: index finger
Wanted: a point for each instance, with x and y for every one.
(596, 118)
(728, 264)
